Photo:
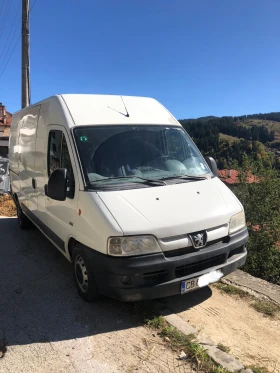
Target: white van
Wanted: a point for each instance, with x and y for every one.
(118, 186)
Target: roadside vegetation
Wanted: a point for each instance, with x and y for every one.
(257, 369)
(265, 307)
(223, 348)
(261, 201)
(231, 290)
(188, 349)
(185, 345)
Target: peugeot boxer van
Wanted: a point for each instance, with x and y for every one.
(119, 187)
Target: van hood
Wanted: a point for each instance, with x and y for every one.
(172, 210)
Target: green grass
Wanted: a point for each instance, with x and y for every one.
(257, 369)
(178, 339)
(181, 342)
(157, 322)
(223, 348)
(231, 290)
(265, 307)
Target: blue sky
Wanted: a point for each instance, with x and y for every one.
(197, 57)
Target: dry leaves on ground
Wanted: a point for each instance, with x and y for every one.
(7, 206)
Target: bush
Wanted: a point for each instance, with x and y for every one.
(261, 201)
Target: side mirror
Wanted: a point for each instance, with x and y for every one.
(57, 185)
(212, 165)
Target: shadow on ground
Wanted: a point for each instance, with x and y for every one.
(38, 298)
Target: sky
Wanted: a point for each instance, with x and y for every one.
(197, 57)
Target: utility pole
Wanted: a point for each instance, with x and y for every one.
(25, 58)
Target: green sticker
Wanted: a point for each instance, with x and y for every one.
(83, 138)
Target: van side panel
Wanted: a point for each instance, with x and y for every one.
(14, 153)
(26, 142)
(41, 175)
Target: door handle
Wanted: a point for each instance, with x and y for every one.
(34, 183)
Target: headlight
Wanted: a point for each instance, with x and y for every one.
(237, 222)
(133, 245)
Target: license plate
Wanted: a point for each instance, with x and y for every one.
(199, 282)
(189, 285)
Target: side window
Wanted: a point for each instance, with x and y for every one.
(59, 157)
(55, 138)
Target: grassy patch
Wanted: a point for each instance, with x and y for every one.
(265, 307)
(178, 341)
(219, 369)
(223, 348)
(231, 290)
(157, 322)
(257, 369)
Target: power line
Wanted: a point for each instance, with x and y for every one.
(8, 49)
(5, 17)
(34, 2)
(10, 30)
(1, 73)
(10, 57)
(2, 8)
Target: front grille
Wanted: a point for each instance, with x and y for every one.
(238, 250)
(177, 252)
(191, 249)
(156, 277)
(188, 269)
(218, 240)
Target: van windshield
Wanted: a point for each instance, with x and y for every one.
(118, 154)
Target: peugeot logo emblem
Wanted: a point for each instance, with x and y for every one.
(199, 239)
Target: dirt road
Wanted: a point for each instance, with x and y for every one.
(48, 328)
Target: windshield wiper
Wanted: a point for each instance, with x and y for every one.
(159, 181)
(183, 177)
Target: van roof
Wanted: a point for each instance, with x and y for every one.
(93, 109)
(87, 109)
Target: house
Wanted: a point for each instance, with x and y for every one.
(231, 177)
(5, 124)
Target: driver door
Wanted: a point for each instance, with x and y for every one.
(62, 215)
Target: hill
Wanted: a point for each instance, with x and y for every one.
(228, 138)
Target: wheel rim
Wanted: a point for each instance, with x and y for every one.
(81, 273)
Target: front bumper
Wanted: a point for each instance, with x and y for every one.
(155, 276)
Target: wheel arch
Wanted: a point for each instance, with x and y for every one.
(72, 242)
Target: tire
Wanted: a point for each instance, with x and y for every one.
(84, 278)
(23, 221)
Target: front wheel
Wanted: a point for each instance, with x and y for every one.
(84, 278)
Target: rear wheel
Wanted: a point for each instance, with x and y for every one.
(23, 221)
(84, 278)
